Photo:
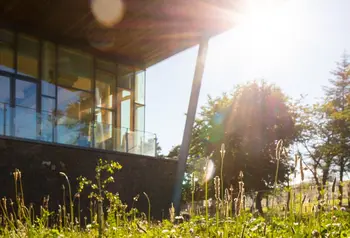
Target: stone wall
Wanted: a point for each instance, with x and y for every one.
(40, 164)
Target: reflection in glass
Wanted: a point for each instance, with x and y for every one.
(4, 105)
(28, 56)
(139, 117)
(74, 117)
(47, 127)
(26, 94)
(47, 104)
(5, 119)
(25, 116)
(25, 122)
(105, 85)
(104, 129)
(48, 69)
(140, 87)
(75, 69)
(4, 89)
(124, 119)
(125, 108)
(6, 51)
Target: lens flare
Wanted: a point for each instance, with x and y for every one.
(108, 12)
(209, 170)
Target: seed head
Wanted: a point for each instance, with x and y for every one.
(136, 198)
(222, 150)
(217, 187)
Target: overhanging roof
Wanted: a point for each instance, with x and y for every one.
(151, 30)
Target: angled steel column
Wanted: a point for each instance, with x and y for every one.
(191, 114)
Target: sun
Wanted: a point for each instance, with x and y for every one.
(264, 32)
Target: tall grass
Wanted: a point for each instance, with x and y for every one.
(325, 219)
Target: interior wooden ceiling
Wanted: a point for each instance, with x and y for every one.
(150, 31)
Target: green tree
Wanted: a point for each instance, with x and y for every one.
(174, 152)
(316, 139)
(337, 108)
(249, 121)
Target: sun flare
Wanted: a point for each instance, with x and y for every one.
(264, 31)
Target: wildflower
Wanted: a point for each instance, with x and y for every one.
(136, 198)
(220, 233)
(186, 216)
(191, 231)
(165, 231)
(179, 219)
(315, 233)
(343, 209)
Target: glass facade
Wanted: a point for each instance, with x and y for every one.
(28, 56)
(7, 58)
(53, 93)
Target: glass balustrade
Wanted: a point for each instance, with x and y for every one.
(26, 123)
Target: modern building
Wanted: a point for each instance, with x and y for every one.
(72, 88)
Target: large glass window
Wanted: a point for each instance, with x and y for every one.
(124, 106)
(74, 109)
(105, 87)
(6, 51)
(28, 56)
(139, 117)
(124, 122)
(4, 105)
(104, 129)
(47, 118)
(140, 87)
(25, 121)
(4, 89)
(48, 69)
(74, 117)
(48, 91)
(75, 69)
(105, 91)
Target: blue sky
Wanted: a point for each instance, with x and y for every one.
(294, 45)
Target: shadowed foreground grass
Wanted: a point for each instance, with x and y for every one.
(330, 224)
(119, 220)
